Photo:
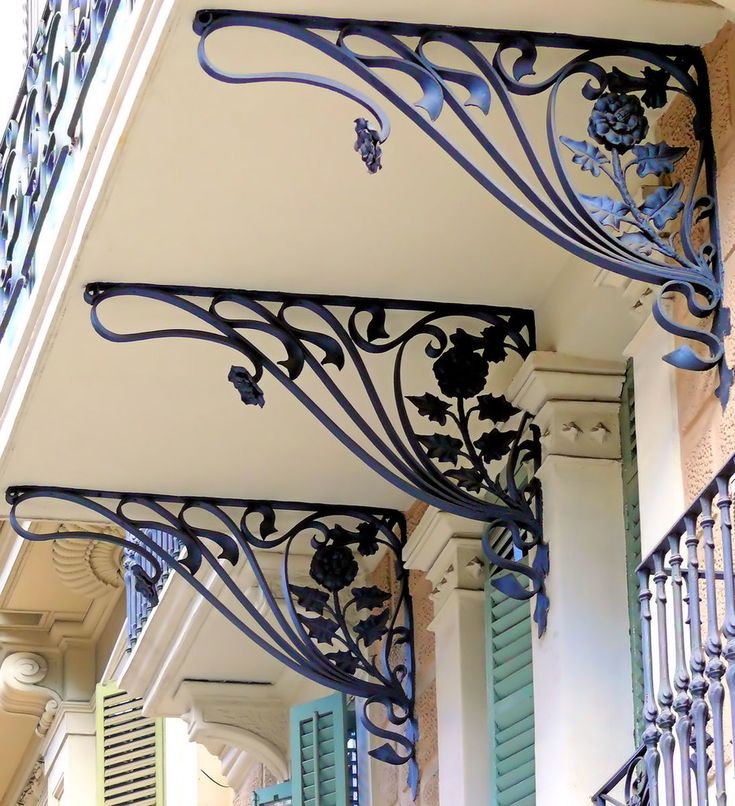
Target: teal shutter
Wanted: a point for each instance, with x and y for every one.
(320, 768)
(632, 516)
(510, 700)
(278, 795)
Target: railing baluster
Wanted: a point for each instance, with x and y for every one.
(699, 709)
(666, 717)
(715, 668)
(651, 734)
(724, 503)
(682, 700)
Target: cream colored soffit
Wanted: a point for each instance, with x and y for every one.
(21, 693)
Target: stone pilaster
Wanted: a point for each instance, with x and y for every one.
(582, 676)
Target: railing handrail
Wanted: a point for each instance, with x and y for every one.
(694, 510)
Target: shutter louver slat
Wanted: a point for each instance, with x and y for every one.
(319, 734)
(510, 689)
(128, 750)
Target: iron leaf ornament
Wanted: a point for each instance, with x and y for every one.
(321, 623)
(460, 445)
(669, 238)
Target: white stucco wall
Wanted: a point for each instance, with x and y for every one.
(12, 54)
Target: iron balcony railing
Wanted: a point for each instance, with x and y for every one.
(47, 127)
(687, 609)
(139, 605)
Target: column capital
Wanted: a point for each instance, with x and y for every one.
(575, 402)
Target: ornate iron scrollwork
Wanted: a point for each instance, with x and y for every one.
(322, 621)
(459, 445)
(44, 130)
(668, 236)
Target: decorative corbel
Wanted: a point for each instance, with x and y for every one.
(21, 693)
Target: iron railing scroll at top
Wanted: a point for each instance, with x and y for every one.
(451, 439)
(486, 80)
(628, 786)
(45, 130)
(317, 614)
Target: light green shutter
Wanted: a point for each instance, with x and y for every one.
(510, 700)
(129, 751)
(320, 771)
(631, 503)
(278, 795)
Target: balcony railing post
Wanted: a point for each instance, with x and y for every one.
(699, 685)
(724, 503)
(650, 711)
(666, 716)
(682, 700)
(715, 668)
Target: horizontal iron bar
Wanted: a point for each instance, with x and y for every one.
(205, 17)
(294, 506)
(336, 300)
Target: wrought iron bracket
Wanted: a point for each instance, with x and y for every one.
(325, 623)
(487, 80)
(460, 445)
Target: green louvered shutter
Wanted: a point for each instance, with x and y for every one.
(631, 503)
(129, 751)
(510, 700)
(320, 769)
(278, 795)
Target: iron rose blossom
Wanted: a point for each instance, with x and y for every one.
(618, 121)
(461, 372)
(333, 567)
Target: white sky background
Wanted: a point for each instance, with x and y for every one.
(12, 55)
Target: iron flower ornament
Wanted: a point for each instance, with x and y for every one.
(669, 239)
(460, 445)
(324, 623)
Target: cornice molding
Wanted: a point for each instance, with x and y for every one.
(21, 693)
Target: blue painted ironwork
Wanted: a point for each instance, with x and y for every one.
(687, 611)
(670, 238)
(628, 783)
(469, 462)
(139, 605)
(328, 626)
(44, 131)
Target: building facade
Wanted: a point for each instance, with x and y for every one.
(366, 417)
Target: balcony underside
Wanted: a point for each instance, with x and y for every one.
(259, 187)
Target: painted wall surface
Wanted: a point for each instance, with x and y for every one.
(708, 433)
(12, 54)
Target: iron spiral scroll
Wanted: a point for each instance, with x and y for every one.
(667, 236)
(319, 617)
(460, 445)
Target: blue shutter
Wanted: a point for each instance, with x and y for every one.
(510, 700)
(321, 771)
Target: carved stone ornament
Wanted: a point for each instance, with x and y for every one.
(33, 789)
(21, 693)
(90, 568)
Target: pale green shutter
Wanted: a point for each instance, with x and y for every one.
(278, 795)
(631, 503)
(129, 751)
(510, 700)
(320, 770)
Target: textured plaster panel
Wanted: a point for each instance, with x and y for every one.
(708, 433)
